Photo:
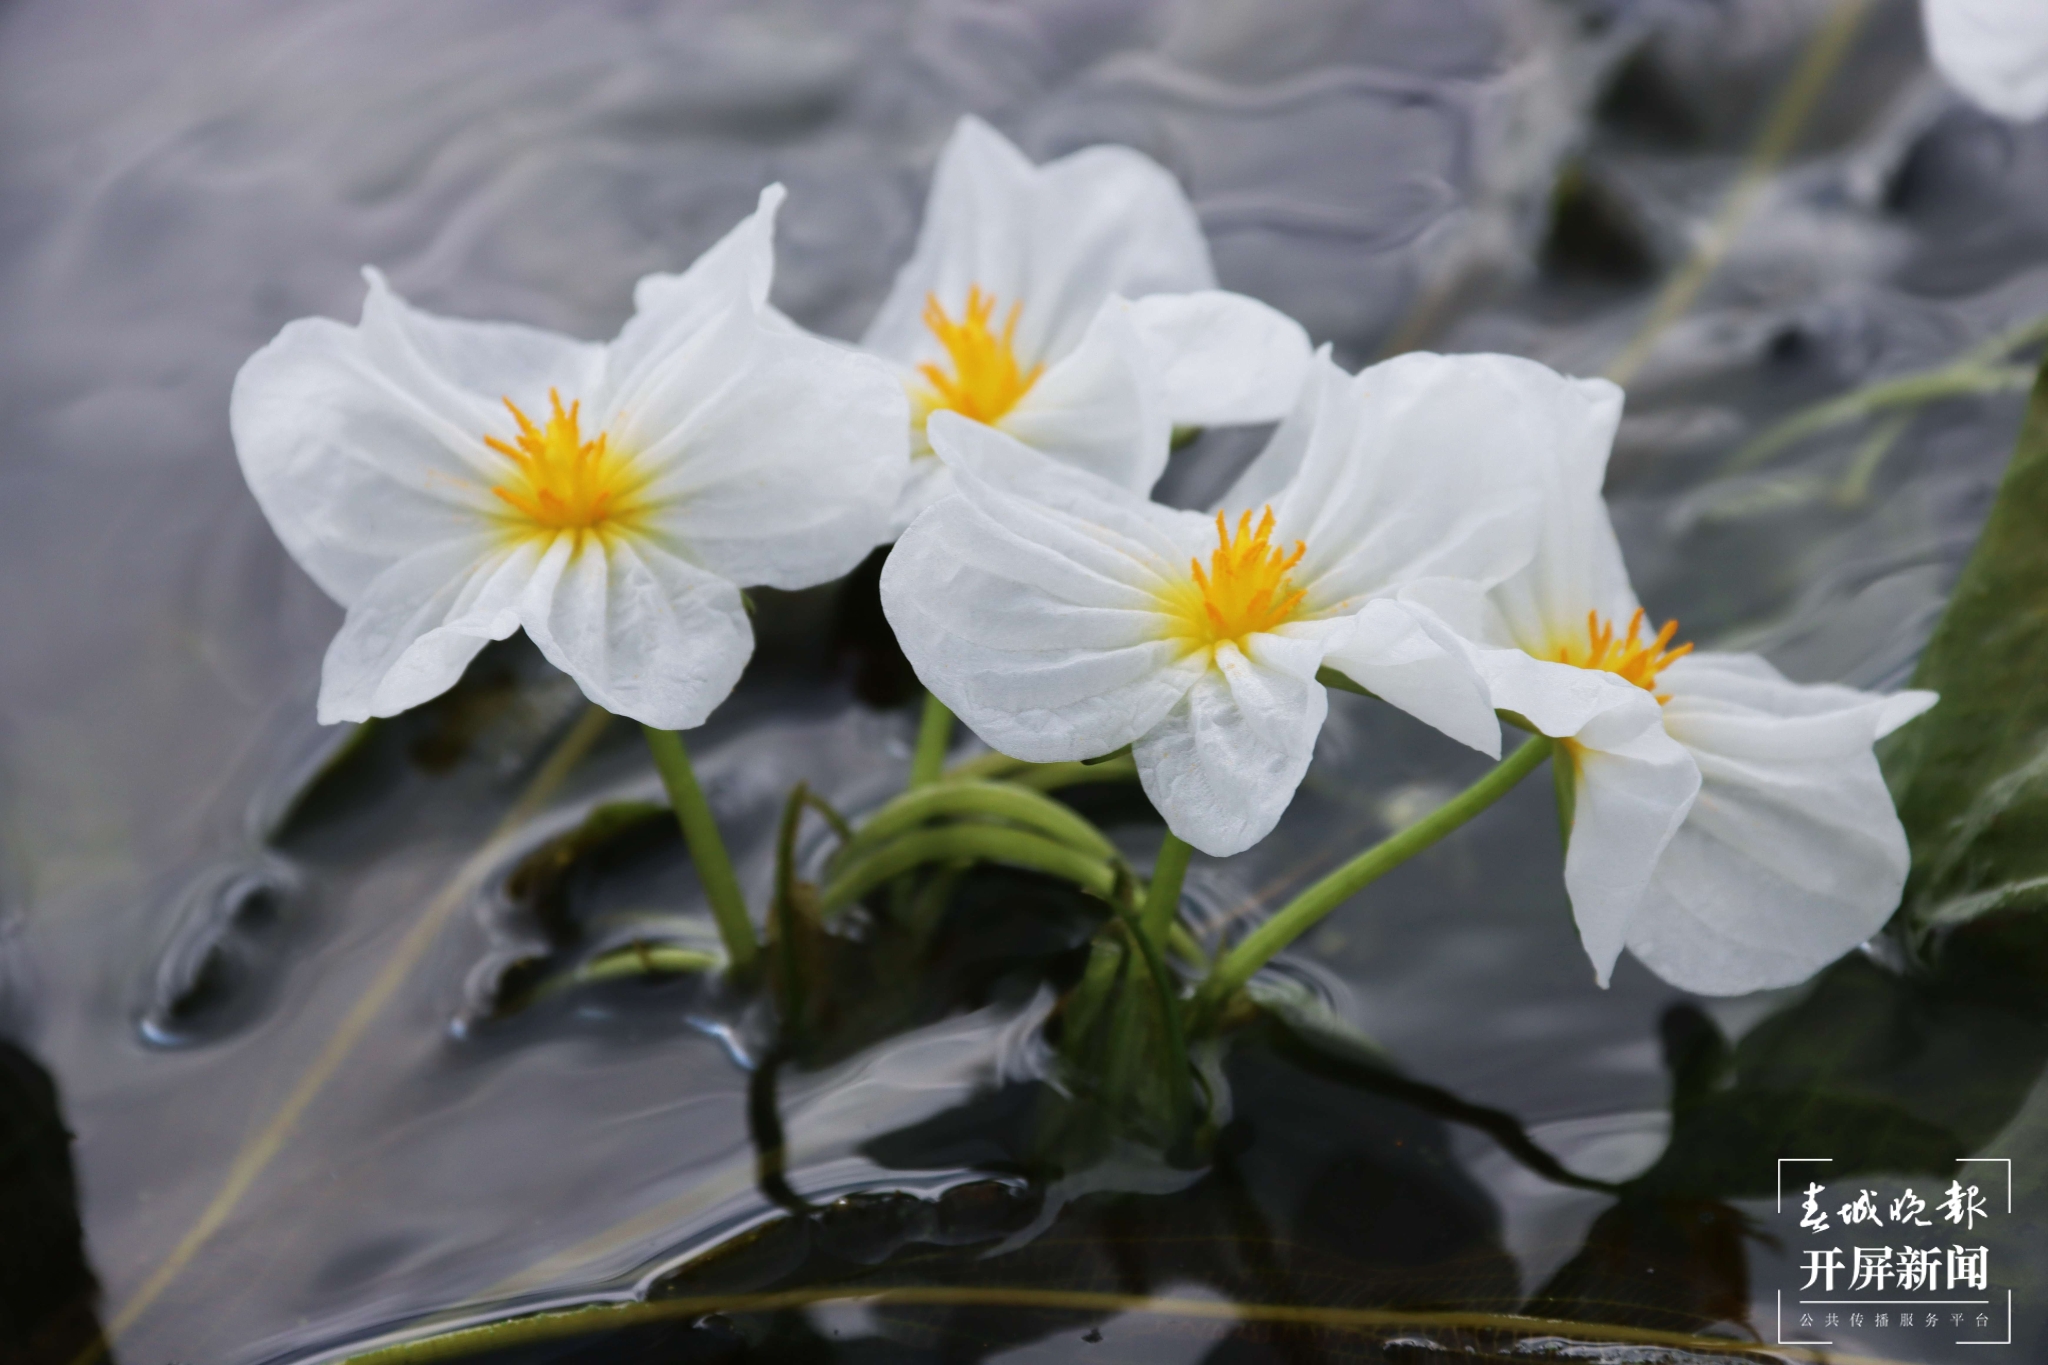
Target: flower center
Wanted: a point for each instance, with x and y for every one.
(986, 379)
(1246, 588)
(1627, 654)
(558, 480)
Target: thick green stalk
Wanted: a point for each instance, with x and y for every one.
(1162, 897)
(934, 738)
(707, 847)
(1296, 917)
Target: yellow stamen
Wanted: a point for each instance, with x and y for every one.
(1246, 588)
(558, 480)
(1626, 655)
(987, 380)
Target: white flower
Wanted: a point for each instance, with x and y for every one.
(1729, 827)
(1994, 51)
(1063, 616)
(452, 482)
(1073, 306)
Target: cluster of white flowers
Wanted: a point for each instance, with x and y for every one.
(1431, 529)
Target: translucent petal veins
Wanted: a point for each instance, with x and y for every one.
(987, 380)
(1246, 588)
(561, 482)
(1627, 654)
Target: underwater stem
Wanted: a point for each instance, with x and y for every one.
(707, 847)
(1179, 1084)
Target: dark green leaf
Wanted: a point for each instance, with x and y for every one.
(1972, 775)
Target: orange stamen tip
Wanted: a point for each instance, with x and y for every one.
(1246, 588)
(1626, 654)
(986, 378)
(558, 480)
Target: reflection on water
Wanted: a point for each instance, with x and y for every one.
(187, 938)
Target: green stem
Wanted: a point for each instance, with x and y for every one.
(1564, 780)
(707, 848)
(1045, 777)
(1295, 918)
(1854, 488)
(934, 738)
(968, 843)
(787, 945)
(1162, 898)
(1000, 800)
(1911, 390)
(644, 959)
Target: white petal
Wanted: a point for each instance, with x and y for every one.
(1634, 784)
(1224, 763)
(1792, 854)
(926, 481)
(1059, 238)
(985, 457)
(779, 456)
(672, 311)
(364, 444)
(643, 633)
(1037, 619)
(1402, 656)
(1417, 468)
(1994, 51)
(773, 457)
(412, 631)
(1221, 359)
(1900, 707)
(1631, 795)
(1577, 565)
(1096, 409)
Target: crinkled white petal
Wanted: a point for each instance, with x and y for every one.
(1630, 798)
(1060, 239)
(1418, 468)
(671, 312)
(1037, 619)
(983, 456)
(363, 445)
(771, 456)
(925, 482)
(1096, 409)
(645, 634)
(1220, 359)
(1223, 764)
(1793, 853)
(1634, 784)
(777, 458)
(415, 627)
(1577, 565)
(1404, 657)
(1994, 51)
